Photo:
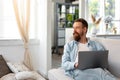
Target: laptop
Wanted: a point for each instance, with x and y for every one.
(92, 59)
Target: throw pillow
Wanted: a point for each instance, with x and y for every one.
(17, 67)
(4, 69)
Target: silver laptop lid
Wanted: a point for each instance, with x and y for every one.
(92, 59)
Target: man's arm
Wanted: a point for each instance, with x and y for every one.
(67, 64)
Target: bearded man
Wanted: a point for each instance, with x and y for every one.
(82, 43)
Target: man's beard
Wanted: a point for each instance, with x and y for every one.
(77, 36)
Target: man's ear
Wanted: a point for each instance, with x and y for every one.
(85, 29)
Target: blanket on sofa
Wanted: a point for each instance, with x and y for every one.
(93, 74)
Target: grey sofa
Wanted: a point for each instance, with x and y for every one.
(113, 45)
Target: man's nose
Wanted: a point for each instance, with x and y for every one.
(74, 31)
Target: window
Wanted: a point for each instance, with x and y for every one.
(104, 9)
(8, 24)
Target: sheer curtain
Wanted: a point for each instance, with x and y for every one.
(22, 13)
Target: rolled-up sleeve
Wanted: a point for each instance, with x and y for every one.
(99, 46)
(67, 64)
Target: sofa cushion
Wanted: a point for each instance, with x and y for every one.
(25, 75)
(28, 75)
(57, 74)
(10, 76)
(17, 67)
(4, 69)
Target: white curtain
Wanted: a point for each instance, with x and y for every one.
(22, 13)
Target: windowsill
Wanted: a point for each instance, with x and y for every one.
(14, 42)
(112, 36)
(108, 34)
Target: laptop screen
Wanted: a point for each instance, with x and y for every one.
(92, 59)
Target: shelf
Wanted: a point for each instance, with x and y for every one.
(65, 15)
(60, 28)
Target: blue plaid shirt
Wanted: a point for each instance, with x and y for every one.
(69, 55)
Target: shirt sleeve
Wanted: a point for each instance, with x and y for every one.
(99, 46)
(66, 61)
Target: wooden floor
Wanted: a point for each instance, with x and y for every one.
(56, 58)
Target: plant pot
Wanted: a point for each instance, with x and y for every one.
(94, 31)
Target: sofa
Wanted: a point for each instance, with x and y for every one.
(11, 66)
(16, 71)
(113, 45)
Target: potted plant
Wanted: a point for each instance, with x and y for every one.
(96, 25)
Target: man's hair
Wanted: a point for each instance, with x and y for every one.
(83, 21)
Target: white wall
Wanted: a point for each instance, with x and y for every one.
(44, 35)
(13, 50)
(81, 8)
(1, 13)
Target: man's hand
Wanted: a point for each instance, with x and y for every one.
(76, 65)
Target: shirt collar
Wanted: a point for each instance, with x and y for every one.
(88, 39)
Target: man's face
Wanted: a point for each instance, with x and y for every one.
(79, 31)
